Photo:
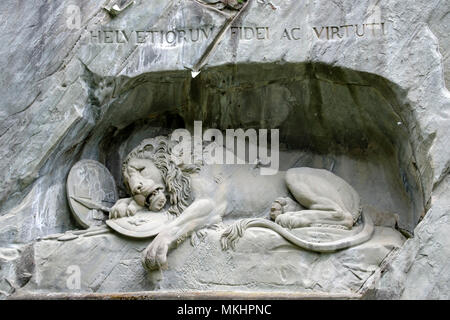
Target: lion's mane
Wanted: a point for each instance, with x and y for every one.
(176, 177)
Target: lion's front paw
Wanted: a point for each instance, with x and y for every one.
(119, 210)
(131, 210)
(155, 256)
(124, 208)
(280, 206)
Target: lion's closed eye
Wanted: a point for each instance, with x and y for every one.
(138, 168)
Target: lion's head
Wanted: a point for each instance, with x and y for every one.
(150, 168)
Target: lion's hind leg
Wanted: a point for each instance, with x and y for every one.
(321, 211)
(325, 197)
(328, 198)
(308, 218)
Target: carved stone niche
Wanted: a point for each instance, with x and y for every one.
(348, 126)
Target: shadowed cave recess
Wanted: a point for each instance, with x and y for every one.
(358, 125)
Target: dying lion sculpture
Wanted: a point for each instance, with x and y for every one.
(202, 196)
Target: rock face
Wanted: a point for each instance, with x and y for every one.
(359, 86)
(421, 270)
(109, 263)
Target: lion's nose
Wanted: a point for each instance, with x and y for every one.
(138, 188)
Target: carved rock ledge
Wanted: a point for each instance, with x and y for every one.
(111, 263)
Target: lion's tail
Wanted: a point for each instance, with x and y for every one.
(236, 231)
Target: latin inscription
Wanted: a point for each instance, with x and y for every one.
(169, 37)
(250, 33)
(241, 33)
(349, 30)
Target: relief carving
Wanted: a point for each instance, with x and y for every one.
(172, 200)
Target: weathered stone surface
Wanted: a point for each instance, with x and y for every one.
(377, 100)
(16, 268)
(111, 263)
(421, 270)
